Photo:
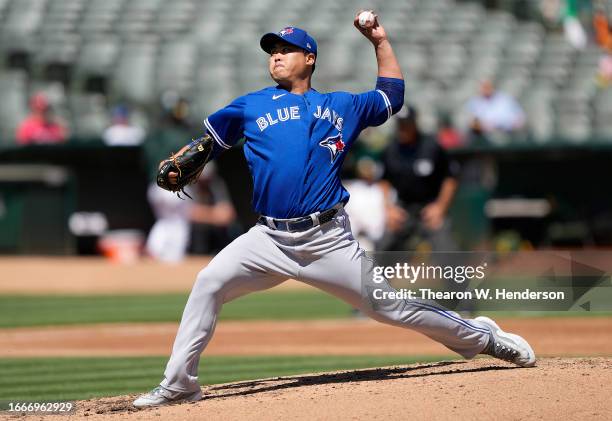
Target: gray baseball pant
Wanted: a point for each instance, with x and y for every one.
(326, 257)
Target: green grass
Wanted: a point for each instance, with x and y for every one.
(20, 311)
(82, 378)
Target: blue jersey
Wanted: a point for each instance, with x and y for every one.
(296, 144)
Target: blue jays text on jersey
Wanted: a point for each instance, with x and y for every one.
(296, 144)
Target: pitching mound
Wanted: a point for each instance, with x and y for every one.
(558, 388)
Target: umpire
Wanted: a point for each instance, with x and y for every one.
(425, 180)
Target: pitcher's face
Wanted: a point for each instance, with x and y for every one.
(288, 62)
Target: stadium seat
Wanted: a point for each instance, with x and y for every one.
(13, 107)
(89, 116)
(445, 47)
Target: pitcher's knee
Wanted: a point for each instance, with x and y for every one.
(208, 284)
(384, 316)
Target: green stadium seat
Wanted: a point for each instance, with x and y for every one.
(445, 47)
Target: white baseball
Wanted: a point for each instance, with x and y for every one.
(366, 19)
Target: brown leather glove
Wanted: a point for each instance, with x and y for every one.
(188, 164)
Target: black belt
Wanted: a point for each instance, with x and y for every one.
(301, 224)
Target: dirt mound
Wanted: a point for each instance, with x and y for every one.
(480, 389)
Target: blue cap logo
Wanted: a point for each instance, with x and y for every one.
(283, 32)
(292, 35)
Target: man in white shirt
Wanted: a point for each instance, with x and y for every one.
(493, 111)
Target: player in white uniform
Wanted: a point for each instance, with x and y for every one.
(296, 141)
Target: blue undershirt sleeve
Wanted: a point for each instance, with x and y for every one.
(394, 89)
(375, 107)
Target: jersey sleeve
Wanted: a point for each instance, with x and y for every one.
(226, 125)
(373, 108)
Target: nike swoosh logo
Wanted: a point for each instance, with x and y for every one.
(278, 96)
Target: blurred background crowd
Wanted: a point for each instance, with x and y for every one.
(504, 141)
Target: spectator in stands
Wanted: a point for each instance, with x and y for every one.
(448, 135)
(41, 126)
(121, 132)
(604, 69)
(601, 27)
(494, 112)
(420, 184)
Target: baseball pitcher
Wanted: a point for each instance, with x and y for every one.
(296, 141)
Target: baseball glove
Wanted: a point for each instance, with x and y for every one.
(188, 163)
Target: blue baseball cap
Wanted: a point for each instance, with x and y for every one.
(292, 35)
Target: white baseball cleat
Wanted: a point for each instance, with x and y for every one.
(160, 396)
(507, 346)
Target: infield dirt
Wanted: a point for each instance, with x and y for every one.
(95, 275)
(483, 389)
(549, 337)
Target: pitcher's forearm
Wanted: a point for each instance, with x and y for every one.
(388, 65)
